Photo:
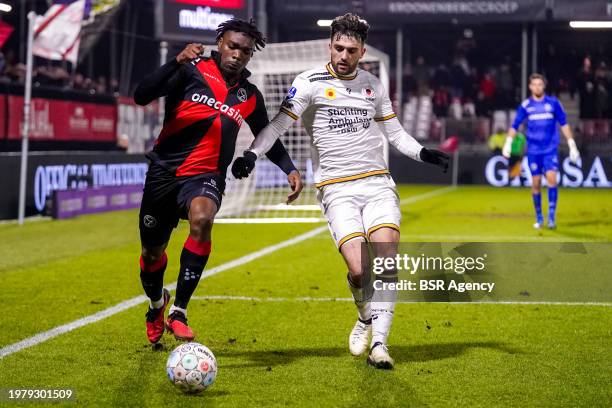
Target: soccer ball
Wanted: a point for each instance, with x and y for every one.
(192, 367)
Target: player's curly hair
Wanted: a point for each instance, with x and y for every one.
(350, 25)
(241, 26)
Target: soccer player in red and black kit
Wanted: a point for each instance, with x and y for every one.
(207, 99)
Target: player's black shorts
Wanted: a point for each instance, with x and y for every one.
(166, 198)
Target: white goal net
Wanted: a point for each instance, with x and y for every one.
(261, 197)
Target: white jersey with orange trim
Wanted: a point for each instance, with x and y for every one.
(338, 112)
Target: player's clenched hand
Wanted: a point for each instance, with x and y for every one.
(295, 181)
(243, 166)
(191, 51)
(435, 157)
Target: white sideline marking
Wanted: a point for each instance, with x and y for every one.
(120, 307)
(31, 218)
(331, 299)
(429, 194)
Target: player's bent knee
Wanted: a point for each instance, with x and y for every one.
(356, 277)
(201, 225)
(152, 255)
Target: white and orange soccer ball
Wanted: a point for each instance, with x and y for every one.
(192, 367)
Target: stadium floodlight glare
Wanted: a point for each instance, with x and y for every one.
(5, 7)
(590, 24)
(324, 23)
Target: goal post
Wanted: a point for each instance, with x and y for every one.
(260, 198)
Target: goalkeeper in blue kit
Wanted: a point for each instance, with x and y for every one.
(542, 113)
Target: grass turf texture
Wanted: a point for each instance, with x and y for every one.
(294, 352)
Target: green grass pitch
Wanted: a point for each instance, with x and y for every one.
(291, 351)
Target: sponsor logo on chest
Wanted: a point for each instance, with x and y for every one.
(232, 113)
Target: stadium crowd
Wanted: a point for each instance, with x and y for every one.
(466, 87)
(52, 74)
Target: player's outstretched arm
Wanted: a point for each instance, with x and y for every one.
(258, 122)
(166, 77)
(406, 144)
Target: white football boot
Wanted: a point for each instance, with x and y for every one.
(379, 357)
(360, 338)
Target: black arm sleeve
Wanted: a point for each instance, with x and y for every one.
(259, 120)
(159, 83)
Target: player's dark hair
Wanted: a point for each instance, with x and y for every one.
(241, 26)
(535, 75)
(350, 25)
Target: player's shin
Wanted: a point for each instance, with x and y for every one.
(152, 279)
(362, 294)
(552, 204)
(537, 205)
(193, 260)
(383, 307)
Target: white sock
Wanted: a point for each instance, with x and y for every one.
(382, 317)
(383, 306)
(177, 309)
(364, 310)
(362, 301)
(156, 304)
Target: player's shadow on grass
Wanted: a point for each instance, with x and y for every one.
(586, 223)
(401, 353)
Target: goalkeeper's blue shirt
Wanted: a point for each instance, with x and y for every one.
(542, 117)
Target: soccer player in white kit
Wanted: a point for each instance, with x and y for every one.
(344, 110)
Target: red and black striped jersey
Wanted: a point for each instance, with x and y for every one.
(203, 115)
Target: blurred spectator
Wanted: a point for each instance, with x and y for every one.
(408, 85)
(601, 97)
(469, 109)
(441, 101)
(552, 70)
(101, 86)
(488, 87)
(585, 82)
(506, 87)
(114, 86)
(497, 140)
(458, 80)
(472, 86)
(78, 81)
(420, 73)
(50, 76)
(441, 77)
(455, 110)
(486, 94)
(14, 70)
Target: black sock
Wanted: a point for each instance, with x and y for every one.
(193, 260)
(152, 277)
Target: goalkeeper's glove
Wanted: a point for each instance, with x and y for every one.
(507, 150)
(574, 154)
(243, 166)
(435, 157)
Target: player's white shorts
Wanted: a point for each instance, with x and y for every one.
(359, 207)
